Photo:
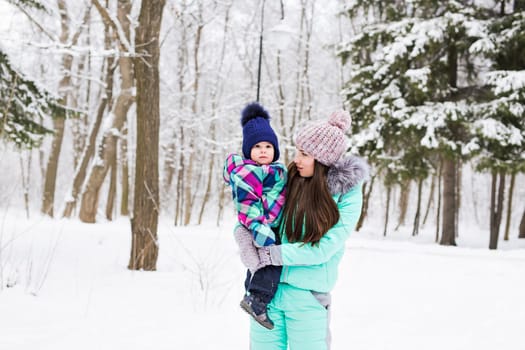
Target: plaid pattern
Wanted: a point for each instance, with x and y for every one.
(258, 194)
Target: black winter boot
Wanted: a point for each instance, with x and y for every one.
(256, 308)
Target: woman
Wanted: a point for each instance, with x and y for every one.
(323, 205)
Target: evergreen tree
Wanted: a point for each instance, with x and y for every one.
(412, 87)
(24, 105)
(501, 125)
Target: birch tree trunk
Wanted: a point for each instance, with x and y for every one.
(144, 245)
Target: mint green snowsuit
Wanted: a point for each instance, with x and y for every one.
(300, 308)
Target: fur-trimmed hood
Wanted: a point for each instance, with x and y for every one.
(346, 173)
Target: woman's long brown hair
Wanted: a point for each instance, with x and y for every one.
(309, 204)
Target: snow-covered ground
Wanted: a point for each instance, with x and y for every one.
(65, 285)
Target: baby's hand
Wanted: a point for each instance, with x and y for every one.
(247, 251)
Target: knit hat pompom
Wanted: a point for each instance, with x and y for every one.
(255, 122)
(325, 141)
(251, 111)
(340, 119)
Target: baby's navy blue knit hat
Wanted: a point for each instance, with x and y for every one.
(255, 122)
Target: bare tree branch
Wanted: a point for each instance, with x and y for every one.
(115, 24)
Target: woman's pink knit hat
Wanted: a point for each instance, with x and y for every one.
(325, 141)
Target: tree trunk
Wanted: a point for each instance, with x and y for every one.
(220, 210)
(190, 186)
(519, 5)
(99, 169)
(169, 169)
(89, 149)
(459, 170)
(387, 209)
(124, 202)
(474, 197)
(211, 175)
(188, 174)
(52, 167)
(415, 230)
(438, 209)
(509, 206)
(366, 200)
(450, 172)
(448, 236)
(108, 149)
(496, 207)
(522, 226)
(215, 93)
(144, 245)
(403, 202)
(281, 99)
(64, 89)
(112, 191)
(180, 182)
(26, 177)
(430, 198)
(58, 123)
(81, 170)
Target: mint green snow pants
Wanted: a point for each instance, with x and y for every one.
(301, 319)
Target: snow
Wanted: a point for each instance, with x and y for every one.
(506, 81)
(69, 288)
(419, 76)
(495, 130)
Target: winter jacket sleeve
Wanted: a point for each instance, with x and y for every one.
(349, 205)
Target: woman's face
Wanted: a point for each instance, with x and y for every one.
(304, 162)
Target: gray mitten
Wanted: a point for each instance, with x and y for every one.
(248, 252)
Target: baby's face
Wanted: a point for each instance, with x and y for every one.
(262, 153)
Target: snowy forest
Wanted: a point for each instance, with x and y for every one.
(116, 117)
(127, 109)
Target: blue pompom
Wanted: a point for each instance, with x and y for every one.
(252, 111)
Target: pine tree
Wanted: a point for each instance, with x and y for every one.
(24, 106)
(501, 125)
(412, 87)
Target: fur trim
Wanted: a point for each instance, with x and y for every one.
(346, 173)
(252, 111)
